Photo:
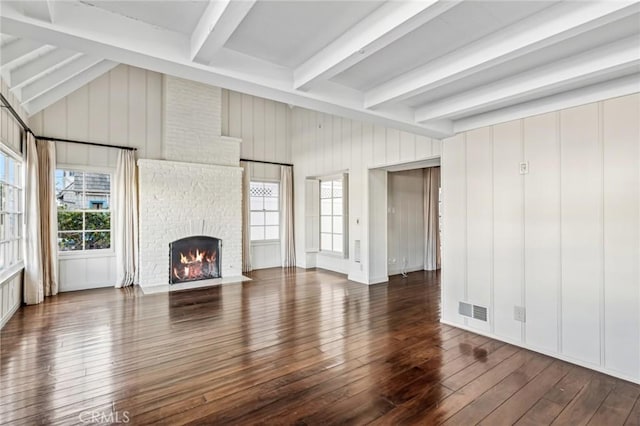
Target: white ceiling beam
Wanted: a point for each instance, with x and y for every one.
(217, 24)
(16, 49)
(610, 89)
(90, 30)
(67, 87)
(608, 59)
(22, 75)
(57, 77)
(543, 29)
(39, 9)
(388, 23)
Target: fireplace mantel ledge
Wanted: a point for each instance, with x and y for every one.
(230, 139)
(146, 162)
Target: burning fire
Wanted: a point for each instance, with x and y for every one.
(195, 266)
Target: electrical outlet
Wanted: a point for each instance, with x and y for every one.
(524, 168)
(519, 313)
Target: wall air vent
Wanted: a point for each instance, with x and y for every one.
(472, 311)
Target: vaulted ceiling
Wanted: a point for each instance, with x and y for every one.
(430, 67)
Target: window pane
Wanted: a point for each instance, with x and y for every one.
(13, 227)
(3, 228)
(257, 218)
(11, 171)
(272, 189)
(337, 243)
(337, 206)
(337, 188)
(325, 223)
(3, 159)
(69, 221)
(337, 225)
(97, 221)
(272, 218)
(325, 189)
(256, 189)
(97, 240)
(271, 204)
(10, 199)
(325, 241)
(325, 207)
(3, 198)
(272, 232)
(256, 203)
(3, 249)
(70, 241)
(257, 233)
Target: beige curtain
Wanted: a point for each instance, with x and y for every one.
(41, 263)
(125, 220)
(287, 237)
(431, 218)
(246, 213)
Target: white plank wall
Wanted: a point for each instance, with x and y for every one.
(582, 232)
(262, 125)
(621, 235)
(479, 159)
(324, 144)
(508, 228)
(454, 226)
(563, 240)
(542, 232)
(122, 107)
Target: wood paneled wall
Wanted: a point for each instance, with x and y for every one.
(563, 240)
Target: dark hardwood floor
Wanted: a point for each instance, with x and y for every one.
(297, 347)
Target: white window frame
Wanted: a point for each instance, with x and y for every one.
(344, 178)
(16, 264)
(270, 240)
(95, 252)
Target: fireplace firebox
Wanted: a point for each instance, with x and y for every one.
(195, 258)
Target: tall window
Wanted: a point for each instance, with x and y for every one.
(331, 215)
(11, 213)
(265, 211)
(84, 215)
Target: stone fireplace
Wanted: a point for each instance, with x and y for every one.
(192, 196)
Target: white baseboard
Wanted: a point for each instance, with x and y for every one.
(9, 314)
(546, 352)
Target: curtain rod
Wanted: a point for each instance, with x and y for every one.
(104, 145)
(267, 162)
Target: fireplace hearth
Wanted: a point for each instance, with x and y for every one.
(194, 258)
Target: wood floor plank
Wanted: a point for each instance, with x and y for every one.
(582, 408)
(289, 347)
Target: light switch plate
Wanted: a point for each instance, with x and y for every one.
(524, 167)
(519, 313)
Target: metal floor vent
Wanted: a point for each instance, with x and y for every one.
(472, 311)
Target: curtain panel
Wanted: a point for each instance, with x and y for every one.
(41, 264)
(287, 236)
(125, 224)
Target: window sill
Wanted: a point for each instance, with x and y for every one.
(264, 242)
(85, 254)
(10, 272)
(332, 254)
